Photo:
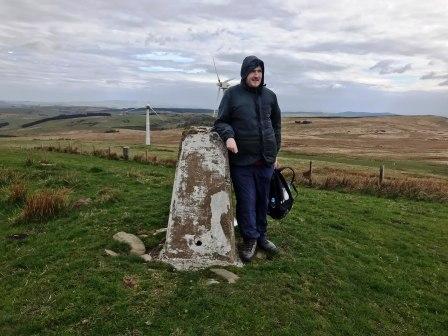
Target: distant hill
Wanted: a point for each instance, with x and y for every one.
(347, 114)
(66, 116)
(163, 110)
(364, 114)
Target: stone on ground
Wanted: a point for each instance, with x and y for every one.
(156, 232)
(260, 254)
(110, 253)
(137, 246)
(211, 282)
(229, 276)
(146, 257)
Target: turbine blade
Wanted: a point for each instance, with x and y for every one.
(228, 80)
(158, 115)
(219, 81)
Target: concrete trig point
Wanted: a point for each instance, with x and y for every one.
(200, 225)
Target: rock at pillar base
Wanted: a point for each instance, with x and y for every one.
(200, 225)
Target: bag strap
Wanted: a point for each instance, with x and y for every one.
(292, 179)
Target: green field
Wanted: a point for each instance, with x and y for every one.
(16, 117)
(350, 264)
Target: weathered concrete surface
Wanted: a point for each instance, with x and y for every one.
(137, 246)
(200, 225)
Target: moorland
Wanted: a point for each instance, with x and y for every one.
(358, 257)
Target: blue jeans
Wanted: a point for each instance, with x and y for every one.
(251, 185)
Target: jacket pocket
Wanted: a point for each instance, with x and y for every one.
(266, 111)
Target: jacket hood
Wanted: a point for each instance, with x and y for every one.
(250, 63)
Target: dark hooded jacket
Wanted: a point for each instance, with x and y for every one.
(252, 117)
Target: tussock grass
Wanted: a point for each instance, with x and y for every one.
(107, 195)
(8, 176)
(106, 154)
(100, 153)
(113, 156)
(139, 158)
(44, 204)
(17, 193)
(70, 179)
(422, 188)
(71, 150)
(29, 161)
(153, 159)
(330, 178)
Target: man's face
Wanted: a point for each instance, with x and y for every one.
(254, 77)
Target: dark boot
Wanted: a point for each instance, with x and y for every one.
(248, 250)
(268, 246)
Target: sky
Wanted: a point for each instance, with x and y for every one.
(328, 56)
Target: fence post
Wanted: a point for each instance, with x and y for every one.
(126, 152)
(108, 153)
(146, 155)
(381, 174)
(311, 172)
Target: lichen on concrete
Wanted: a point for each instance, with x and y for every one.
(200, 226)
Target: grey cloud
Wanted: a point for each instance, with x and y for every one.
(213, 34)
(428, 75)
(371, 45)
(434, 75)
(386, 67)
(79, 49)
(156, 39)
(284, 68)
(444, 83)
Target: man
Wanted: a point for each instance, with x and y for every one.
(249, 123)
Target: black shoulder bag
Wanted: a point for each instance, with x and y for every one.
(281, 198)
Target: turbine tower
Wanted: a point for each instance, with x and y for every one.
(222, 85)
(147, 133)
(148, 126)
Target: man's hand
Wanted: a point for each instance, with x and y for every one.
(231, 145)
(276, 164)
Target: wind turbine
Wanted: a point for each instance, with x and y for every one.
(148, 128)
(222, 85)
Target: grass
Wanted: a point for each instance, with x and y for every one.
(350, 264)
(17, 193)
(349, 179)
(421, 188)
(416, 166)
(44, 204)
